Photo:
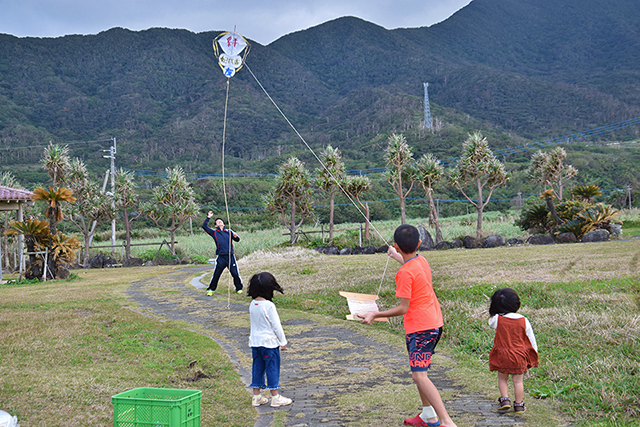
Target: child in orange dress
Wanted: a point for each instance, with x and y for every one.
(514, 347)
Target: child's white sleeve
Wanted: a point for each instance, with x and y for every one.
(276, 326)
(530, 334)
(493, 321)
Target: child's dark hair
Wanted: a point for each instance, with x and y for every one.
(262, 285)
(407, 238)
(503, 301)
(218, 218)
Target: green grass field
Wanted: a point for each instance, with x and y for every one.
(68, 346)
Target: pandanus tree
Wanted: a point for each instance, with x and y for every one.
(430, 172)
(127, 199)
(356, 187)
(400, 174)
(290, 199)
(480, 169)
(330, 178)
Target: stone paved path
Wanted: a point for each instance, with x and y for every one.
(324, 359)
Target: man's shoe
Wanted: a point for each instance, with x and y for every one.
(209, 293)
(417, 421)
(280, 400)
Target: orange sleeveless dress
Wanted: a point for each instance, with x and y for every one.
(512, 352)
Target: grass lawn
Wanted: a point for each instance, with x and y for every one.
(68, 346)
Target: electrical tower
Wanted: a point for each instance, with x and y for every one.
(427, 110)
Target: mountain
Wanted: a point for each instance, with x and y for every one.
(519, 70)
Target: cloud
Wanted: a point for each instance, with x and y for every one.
(256, 19)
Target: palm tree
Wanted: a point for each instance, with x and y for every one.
(479, 168)
(356, 187)
(430, 171)
(398, 156)
(586, 193)
(330, 177)
(35, 234)
(56, 161)
(53, 199)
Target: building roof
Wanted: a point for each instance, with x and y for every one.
(8, 194)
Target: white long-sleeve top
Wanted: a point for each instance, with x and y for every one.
(493, 322)
(266, 329)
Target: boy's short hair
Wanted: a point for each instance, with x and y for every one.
(407, 238)
(216, 220)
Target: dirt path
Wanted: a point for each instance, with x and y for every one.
(326, 359)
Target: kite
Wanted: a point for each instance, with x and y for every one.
(232, 45)
(360, 304)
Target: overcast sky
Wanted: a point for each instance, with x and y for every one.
(261, 20)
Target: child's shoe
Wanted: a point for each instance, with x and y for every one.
(258, 400)
(417, 421)
(209, 293)
(280, 400)
(519, 407)
(504, 404)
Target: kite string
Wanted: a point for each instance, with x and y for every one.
(224, 191)
(316, 156)
(326, 169)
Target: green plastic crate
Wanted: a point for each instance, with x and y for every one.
(156, 407)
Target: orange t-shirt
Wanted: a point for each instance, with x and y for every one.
(413, 281)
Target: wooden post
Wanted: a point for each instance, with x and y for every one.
(360, 236)
(322, 231)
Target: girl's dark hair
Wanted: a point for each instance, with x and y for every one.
(262, 285)
(503, 301)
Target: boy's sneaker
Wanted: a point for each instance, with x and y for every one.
(280, 400)
(258, 400)
(504, 403)
(417, 421)
(519, 407)
(239, 291)
(209, 293)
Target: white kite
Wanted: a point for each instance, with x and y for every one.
(232, 45)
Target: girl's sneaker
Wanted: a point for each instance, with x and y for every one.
(280, 400)
(519, 407)
(258, 400)
(504, 404)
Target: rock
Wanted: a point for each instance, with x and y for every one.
(515, 241)
(598, 235)
(443, 245)
(346, 251)
(541, 239)
(457, 243)
(62, 273)
(615, 230)
(369, 250)
(568, 237)
(383, 249)
(332, 250)
(425, 236)
(96, 262)
(357, 250)
(470, 242)
(493, 241)
(132, 262)
(149, 263)
(320, 249)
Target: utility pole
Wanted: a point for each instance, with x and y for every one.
(112, 171)
(427, 110)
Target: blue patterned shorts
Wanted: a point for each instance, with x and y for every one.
(421, 346)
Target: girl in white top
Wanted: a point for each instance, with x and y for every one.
(265, 340)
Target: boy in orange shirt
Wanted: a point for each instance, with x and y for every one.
(422, 322)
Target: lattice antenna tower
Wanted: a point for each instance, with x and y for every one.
(428, 124)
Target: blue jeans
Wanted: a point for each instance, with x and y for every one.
(266, 361)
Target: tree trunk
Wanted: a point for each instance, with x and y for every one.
(480, 207)
(552, 210)
(292, 223)
(333, 196)
(127, 247)
(403, 215)
(366, 224)
(434, 214)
